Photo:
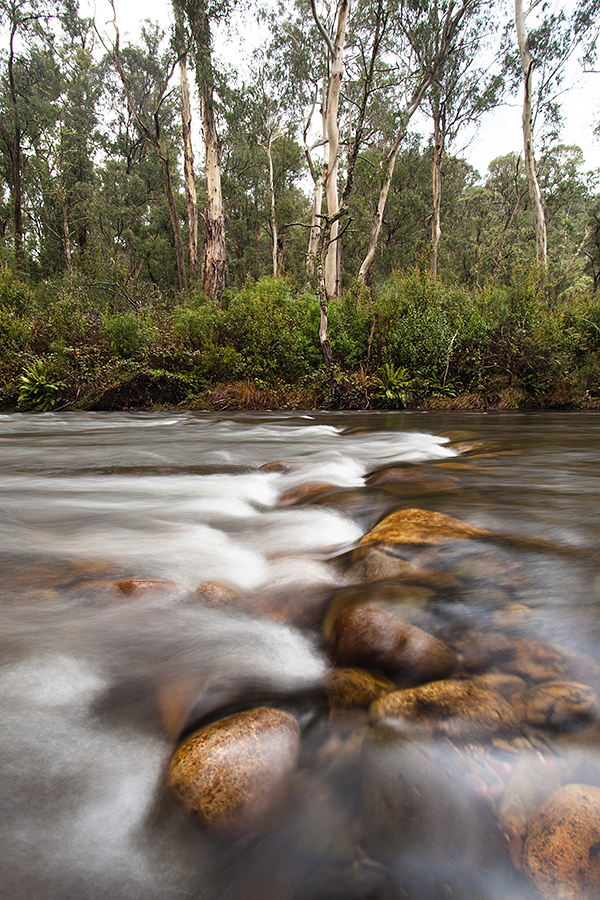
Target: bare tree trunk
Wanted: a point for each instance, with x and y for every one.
(528, 152)
(274, 256)
(333, 259)
(188, 170)
(66, 235)
(390, 164)
(164, 162)
(12, 139)
(436, 227)
(214, 273)
(318, 178)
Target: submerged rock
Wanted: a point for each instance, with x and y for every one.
(422, 818)
(304, 492)
(562, 849)
(214, 593)
(348, 688)
(371, 636)
(419, 526)
(459, 710)
(233, 773)
(557, 704)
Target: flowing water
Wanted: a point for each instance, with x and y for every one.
(93, 672)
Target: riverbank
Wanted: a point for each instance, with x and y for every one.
(411, 343)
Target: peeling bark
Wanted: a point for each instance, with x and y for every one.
(188, 170)
(214, 270)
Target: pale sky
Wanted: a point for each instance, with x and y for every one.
(499, 132)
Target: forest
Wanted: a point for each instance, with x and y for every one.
(291, 225)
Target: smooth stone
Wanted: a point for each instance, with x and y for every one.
(379, 563)
(348, 688)
(232, 774)
(373, 637)
(535, 660)
(214, 593)
(423, 819)
(304, 492)
(419, 526)
(415, 477)
(140, 587)
(479, 650)
(459, 710)
(562, 849)
(279, 465)
(557, 704)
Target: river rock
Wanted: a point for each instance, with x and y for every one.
(562, 849)
(348, 688)
(279, 465)
(556, 704)
(425, 479)
(459, 710)
(304, 492)
(535, 660)
(214, 593)
(371, 636)
(232, 774)
(419, 526)
(421, 817)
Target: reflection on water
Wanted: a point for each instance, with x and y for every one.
(109, 655)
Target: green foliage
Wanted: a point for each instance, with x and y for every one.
(39, 392)
(125, 334)
(394, 386)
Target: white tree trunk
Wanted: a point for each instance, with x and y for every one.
(214, 273)
(436, 224)
(528, 152)
(333, 258)
(272, 203)
(188, 170)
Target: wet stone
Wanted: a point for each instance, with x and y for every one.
(557, 704)
(232, 774)
(214, 593)
(422, 817)
(279, 465)
(419, 526)
(372, 636)
(426, 479)
(460, 710)
(304, 493)
(348, 688)
(562, 849)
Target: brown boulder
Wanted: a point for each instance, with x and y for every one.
(426, 479)
(419, 526)
(279, 465)
(460, 710)
(562, 849)
(348, 688)
(213, 593)
(556, 704)
(304, 492)
(372, 636)
(233, 773)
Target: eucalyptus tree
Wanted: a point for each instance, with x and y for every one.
(539, 64)
(145, 75)
(426, 36)
(199, 18)
(460, 93)
(24, 25)
(191, 196)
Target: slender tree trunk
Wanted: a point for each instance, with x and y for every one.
(214, 273)
(12, 139)
(390, 164)
(179, 254)
(528, 150)
(274, 255)
(333, 259)
(188, 170)
(66, 235)
(317, 205)
(436, 227)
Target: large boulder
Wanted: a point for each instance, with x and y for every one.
(233, 773)
(373, 637)
(562, 849)
(419, 526)
(460, 710)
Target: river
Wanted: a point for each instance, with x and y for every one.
(101, 667)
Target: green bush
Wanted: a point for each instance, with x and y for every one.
(126, 335)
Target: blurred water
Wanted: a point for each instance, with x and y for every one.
(91, 499)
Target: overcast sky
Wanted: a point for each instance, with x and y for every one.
(498, 133)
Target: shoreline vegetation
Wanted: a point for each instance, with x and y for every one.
(412, 342)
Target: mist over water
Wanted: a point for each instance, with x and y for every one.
(91, 500)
